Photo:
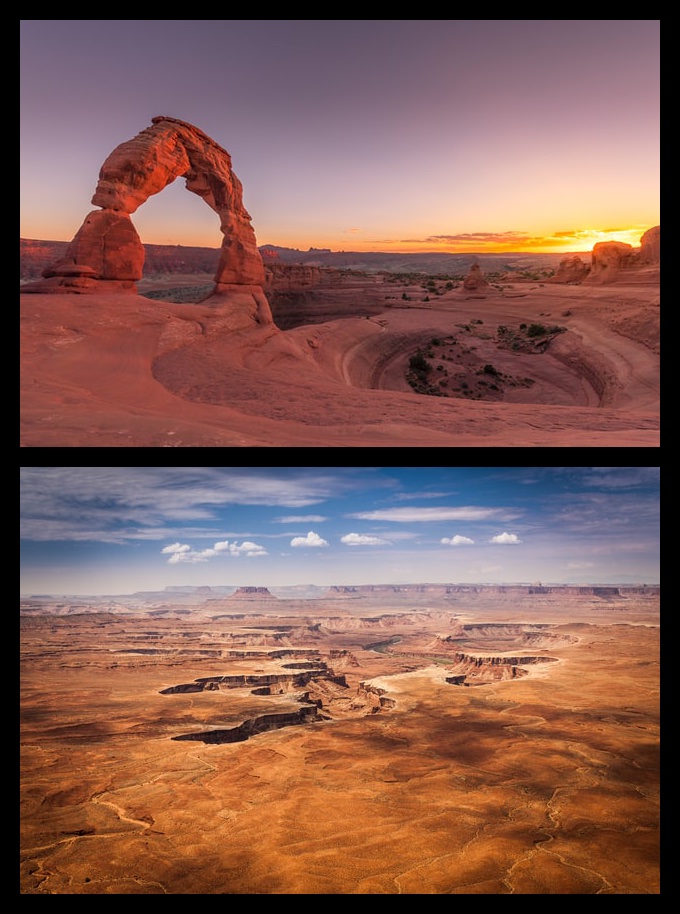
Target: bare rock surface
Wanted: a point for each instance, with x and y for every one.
(105, 370)
(463, 743)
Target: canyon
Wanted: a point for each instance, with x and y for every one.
(420, 739)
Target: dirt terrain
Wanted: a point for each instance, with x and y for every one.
(122, 370)
(456, 743)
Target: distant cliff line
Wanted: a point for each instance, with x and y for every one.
(194, 594)
(161, 259)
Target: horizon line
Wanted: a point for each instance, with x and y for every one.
(170, 588)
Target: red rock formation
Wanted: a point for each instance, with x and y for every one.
(608, 259)
(650, 246)
(291, 275)
(571, 269)
(614, 260)
(107, 253)
(474, 281)
(106, 246)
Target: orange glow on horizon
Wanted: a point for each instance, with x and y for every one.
(564, 242)
(575, 242)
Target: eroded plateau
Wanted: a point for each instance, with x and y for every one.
(417, 740)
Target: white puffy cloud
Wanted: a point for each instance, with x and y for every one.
(457, 540)
(182, 553)
(312, 539)
(506, 539)
(247, 548)
(360, 539)
(189, 556)
(176, 548)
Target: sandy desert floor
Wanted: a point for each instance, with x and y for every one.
(122, 370)
(479, 747)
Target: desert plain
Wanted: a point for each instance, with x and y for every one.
(420, 740)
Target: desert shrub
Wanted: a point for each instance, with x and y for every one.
(489, 369)
(536, 330)
(419, 363)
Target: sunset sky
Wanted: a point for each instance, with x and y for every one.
(388, 135)
(117, 530)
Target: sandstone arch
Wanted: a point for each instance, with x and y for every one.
(107, 254)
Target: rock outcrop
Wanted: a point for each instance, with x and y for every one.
(609, 258)
(474, 281)
(650, 246)
(107, 253)
(615, 260)
(570, 270)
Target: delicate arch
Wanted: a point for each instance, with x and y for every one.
(107, 248)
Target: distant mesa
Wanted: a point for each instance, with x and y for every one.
(107, 255)
(252, 593)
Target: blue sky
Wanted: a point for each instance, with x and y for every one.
(115, 530)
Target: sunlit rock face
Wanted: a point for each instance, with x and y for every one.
(650, 246)
(614, 260)
(608, 259)
(107, 243)
(107, 249)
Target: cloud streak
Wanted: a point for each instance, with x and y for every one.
(424, 514)
(115, 504)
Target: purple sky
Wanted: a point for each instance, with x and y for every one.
(357, 134)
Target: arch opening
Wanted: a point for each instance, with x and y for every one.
(179, 234)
